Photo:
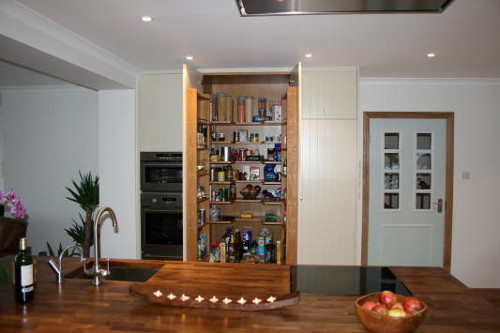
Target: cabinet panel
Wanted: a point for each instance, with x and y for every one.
(160, 112)
(329, 93)
(327, 222)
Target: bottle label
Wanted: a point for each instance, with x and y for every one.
(27, 277)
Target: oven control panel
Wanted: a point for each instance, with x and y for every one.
(161, 200)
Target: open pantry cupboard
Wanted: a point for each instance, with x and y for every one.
(227, 153)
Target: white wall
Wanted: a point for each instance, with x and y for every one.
(476, 212)
(117, 168)
(49, 134)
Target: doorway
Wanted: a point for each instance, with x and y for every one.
(399, 194)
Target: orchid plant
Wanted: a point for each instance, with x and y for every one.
(13, 202)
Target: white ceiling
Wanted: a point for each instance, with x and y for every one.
(465, 38)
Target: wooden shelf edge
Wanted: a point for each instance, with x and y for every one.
(220, 222)
(241, 200)
(216, 182)
(271, 203)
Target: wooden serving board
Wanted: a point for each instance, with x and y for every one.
(241, 287)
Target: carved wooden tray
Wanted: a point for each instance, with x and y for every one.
(240, 287)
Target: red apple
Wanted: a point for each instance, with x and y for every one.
(380, 308)
(412, 305)
(369, 305)
(388, 298)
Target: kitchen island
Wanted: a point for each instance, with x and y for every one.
(76, 305)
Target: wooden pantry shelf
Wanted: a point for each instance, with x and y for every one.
(221, 222)
(216, 182)
(271, 203)
(241, 200)
(221, 162)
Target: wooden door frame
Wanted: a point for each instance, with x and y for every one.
(448, 212)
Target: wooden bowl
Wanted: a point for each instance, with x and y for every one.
(377, 322)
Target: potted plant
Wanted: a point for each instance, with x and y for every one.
(86, 195)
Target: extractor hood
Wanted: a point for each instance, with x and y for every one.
(309, 7)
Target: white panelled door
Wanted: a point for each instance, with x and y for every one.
(407, 191)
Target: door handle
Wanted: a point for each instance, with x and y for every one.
(439, 204)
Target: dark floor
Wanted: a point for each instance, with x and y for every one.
(491, 295)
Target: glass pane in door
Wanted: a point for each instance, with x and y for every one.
(424, 141)
(391, 200)
(423, 201)
(391, 181)
(391, 141)
(423, 181)
(424, 161)
(391, 161)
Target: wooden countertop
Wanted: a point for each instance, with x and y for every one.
(79, 306)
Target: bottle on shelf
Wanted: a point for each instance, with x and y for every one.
(254, 249)
(237, 246)
(231, 249)
(24, 278)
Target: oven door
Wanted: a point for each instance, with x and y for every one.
(161, 233)
(161, 176)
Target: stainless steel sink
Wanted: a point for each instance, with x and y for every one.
(119, 273)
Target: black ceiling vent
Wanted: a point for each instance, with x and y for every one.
(312, 7)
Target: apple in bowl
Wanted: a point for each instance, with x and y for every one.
(389, 313)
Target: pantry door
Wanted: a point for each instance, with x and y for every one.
(407, 192)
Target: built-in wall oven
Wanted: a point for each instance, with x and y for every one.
(161, 171)
(161, 205)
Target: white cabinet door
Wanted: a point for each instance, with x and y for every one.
(329, 93)
(327, 209)
(160, 112)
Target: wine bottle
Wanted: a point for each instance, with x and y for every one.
(24, 274)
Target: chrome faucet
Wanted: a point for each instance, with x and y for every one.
(58, 269)
(97, 273)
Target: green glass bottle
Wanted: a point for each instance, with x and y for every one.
(25, 289)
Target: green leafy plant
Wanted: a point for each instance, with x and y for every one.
(52, 253)
(86, 195)
(77, 231)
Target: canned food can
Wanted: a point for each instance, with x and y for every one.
(221, 176)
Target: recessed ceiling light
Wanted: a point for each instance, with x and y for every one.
(189, 57)
(146, 18)
(308, 55)
(431, 55)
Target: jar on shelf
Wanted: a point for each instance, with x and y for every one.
(241, 109)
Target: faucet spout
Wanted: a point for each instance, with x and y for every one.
(97, 272)
(58, 269)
